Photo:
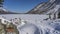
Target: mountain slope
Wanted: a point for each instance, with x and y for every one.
(49, 7)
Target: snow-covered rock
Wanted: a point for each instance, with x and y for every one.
(50, 7)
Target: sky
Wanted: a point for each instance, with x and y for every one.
(21, 6)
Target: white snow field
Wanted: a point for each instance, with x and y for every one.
(35, 24)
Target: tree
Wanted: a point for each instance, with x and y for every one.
(1, 3)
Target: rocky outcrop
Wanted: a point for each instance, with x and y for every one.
(50, 7)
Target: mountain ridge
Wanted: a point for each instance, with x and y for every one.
(45, 7)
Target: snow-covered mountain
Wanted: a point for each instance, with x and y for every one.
(5, 11)
(50, 7)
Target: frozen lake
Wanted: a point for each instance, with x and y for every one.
(35, 24)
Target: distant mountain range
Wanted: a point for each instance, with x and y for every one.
(4, 11)
(50, 7)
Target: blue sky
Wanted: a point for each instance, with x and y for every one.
(21, 6)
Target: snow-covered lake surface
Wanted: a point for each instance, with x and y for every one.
(36, 24)
(25, 16)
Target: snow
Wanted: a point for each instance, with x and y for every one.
(55, 10)
(25, 16)
(3, 9)
(30, 29)
(35, 24)
(52, 1)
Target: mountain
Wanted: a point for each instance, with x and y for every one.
(50, 7)
(4, 11)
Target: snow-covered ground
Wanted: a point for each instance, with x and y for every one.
(36, 24)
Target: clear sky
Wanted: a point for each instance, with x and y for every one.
(21, 6)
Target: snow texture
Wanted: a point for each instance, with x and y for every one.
(36, 24)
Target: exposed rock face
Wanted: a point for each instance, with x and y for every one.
(8, 28)
(11, 29)
(50, 7)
